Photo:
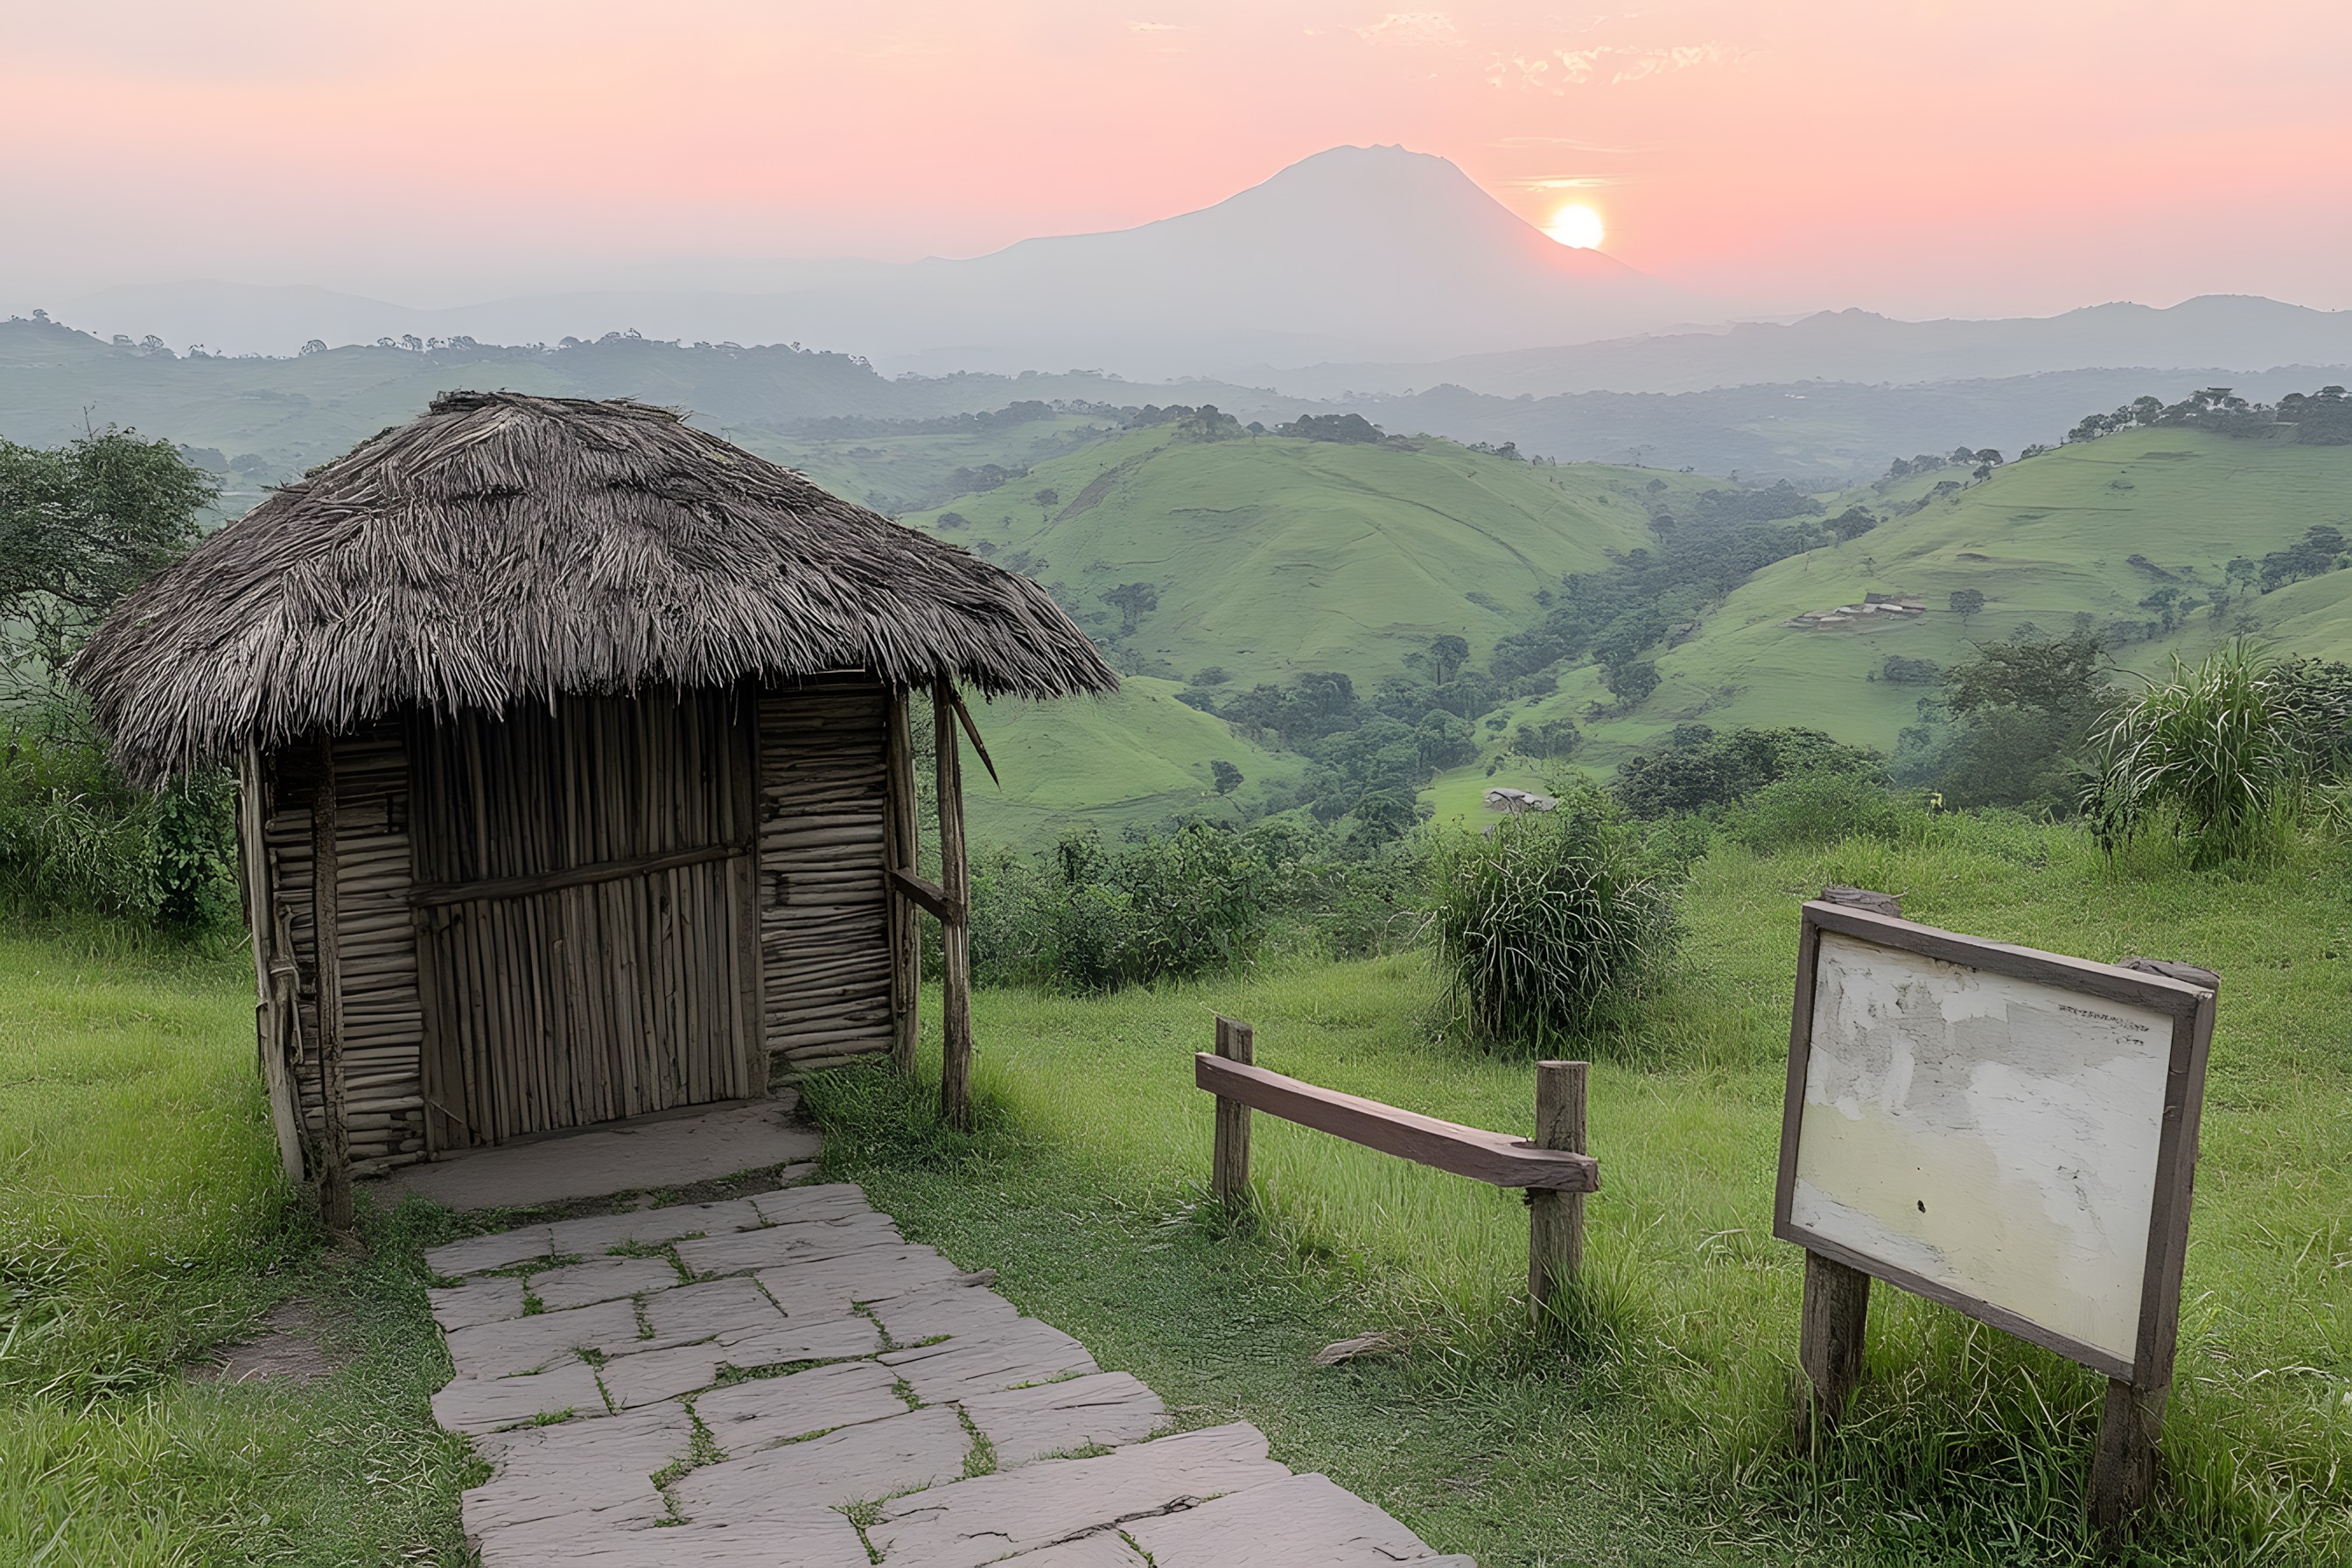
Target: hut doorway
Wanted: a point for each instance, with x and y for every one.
(584, 906)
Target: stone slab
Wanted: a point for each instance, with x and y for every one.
(604, 1279)
(963, 1307)
(1304, 1521)
(641, 1377)
(578, 1468)
(500, 1249)
(1103, 1549)
(763, 1410)
(831, 1285)
(484, 1403)
(718, 1306)
(779, 1245)
(855, 1464)
(818, 1201)
(527, 1344)
(592, 1235)
(1023, 1425)
(490, 1298)
(973, 1522)
(635, 1156)
(806, 1538)
(1001, 1356)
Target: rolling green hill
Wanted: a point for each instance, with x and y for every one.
(1274, 555)
(2044, 540)
(1140, 757)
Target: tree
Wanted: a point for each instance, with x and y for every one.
(1133, 601)
(1447, 653)
(1632, 683)
(82, 524)
(1968, 604)
(1851, 524)
(1228, 777)
(1049, 496)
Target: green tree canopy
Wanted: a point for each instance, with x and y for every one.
(82, 524)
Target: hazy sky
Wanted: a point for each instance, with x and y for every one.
(1921, 156)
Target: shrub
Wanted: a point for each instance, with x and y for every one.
(2216, 753)
(76, 839)
(1811, 811)
(1083, 918)
(1547, 919)
(1698, 769)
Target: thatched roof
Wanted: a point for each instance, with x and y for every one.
(504, 548)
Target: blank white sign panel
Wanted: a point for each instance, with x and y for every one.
(1993, 1135)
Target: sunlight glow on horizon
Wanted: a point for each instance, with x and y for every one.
(1577, 227)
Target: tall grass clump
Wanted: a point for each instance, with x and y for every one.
(2219, 754)
(1545, 921)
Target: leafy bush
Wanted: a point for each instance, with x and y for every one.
(1084, 919)
(1811, 811)
(1544, 921)
(75, 839)
(2217, 753)
(1698, 769)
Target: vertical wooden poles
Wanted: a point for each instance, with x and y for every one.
(1229, 1167)
(335, 1151)
(1829, 1344)
(902, 842)
(261, 915)
(955, 944)
(1555, 1220)
(2123, 1463)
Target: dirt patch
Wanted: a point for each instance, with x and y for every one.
(289, 1352)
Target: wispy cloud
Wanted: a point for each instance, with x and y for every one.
(1155, 27)
(1556, 71)
(1413, 29)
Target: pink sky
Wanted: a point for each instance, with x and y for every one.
(1919, 156)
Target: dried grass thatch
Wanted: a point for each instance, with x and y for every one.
(505, 547)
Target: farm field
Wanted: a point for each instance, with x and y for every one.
(143, 1224)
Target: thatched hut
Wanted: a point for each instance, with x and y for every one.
(577, 778)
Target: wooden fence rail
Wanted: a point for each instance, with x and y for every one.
(1553, 1168)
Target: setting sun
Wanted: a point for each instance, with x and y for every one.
(1578, 227)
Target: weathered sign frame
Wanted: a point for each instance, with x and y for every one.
(2190, 1006)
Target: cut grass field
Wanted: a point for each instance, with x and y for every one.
(141, 1225)
(1659, 1435)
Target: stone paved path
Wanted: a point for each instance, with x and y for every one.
(784, 1380)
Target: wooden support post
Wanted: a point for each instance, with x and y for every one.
(751, 987)
(2123, 1465)
(1829, 1344)
(955, 944)
(335, 1150)
(901, 846)
(1556, 1219)
(271, 1024)
(1229, 1163)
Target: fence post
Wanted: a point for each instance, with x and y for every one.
(1555, 1220)
(1229, 1168)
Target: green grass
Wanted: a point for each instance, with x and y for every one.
(143, 1223)
(1659, 1435)
(1140, 757)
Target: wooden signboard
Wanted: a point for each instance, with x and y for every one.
(2013, 1134)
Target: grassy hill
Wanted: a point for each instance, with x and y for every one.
(1140, 757)
(1274, 555)
(2044, 540)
